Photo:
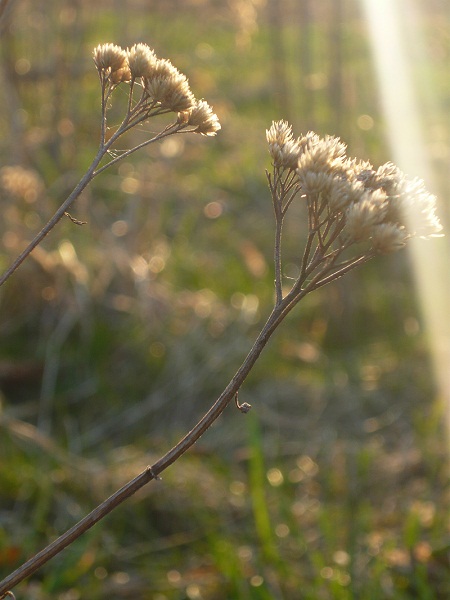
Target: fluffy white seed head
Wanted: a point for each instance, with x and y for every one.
(202, 117)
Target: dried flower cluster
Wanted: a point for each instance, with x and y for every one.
(164, 88)
(348, 201)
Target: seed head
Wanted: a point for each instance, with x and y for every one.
(202, 117)
(165, 85)
(320, 154)
(172, 92)
(315, 182)
(111, 60)
(362, 216)
(162, 68)
(121, 75)
(282, 146)
(342, 193)
(387, 177)
(415, 208)
(141, 60)
(388, 237)
(279, 133)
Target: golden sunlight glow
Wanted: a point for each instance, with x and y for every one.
(393, 27)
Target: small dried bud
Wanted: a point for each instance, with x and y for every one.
(386, 177)
(387, 238)
(411, 206)
(314, 183)
(166, 85)
(343, 193)
(201, 117)
(162, 69)
(321, 155)
(141, 60)
(171, 92)
(356, 169)
(121, 75)
(287, 155)
(110, 58)
(308, 141)
(362, 216)
(279, 133)
(282, 146)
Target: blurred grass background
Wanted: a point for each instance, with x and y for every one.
(118, 335)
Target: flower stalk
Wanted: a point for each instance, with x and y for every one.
(163, 90)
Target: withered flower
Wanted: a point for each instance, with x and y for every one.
(202, 117)
(348, 200)
(141, 60)
(111, 61)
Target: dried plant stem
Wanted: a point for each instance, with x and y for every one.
(92, 172)
(283, 306)
(277, 261)
(88, 176)
(276, 317)
(280, 189)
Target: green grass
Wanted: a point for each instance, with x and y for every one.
(339, 520)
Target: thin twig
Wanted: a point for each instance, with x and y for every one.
(42, 557)
(342, 271)
(84, 181)
(165, 133)
(92, 172)
(277, 259)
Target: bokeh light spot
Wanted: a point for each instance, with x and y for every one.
(22, 66)
(119, 228)
(275, 477)
(365, 122)
(213, 210)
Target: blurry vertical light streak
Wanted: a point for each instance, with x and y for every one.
(305, 36)
(335, 87)
(278, 59)
(395, 38)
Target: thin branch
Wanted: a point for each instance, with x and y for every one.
(277, 260)
(84, 181)
(290, 199)
(103, 121)
(166, 132)
(306, 255)
(42, 557)
(82, 184)
(345, 269)
(89, 176)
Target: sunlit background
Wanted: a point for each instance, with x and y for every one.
(410, 105)
(119, 334)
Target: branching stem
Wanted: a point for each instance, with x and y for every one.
(93, 170)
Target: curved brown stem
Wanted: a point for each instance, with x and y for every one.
(33, 564)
